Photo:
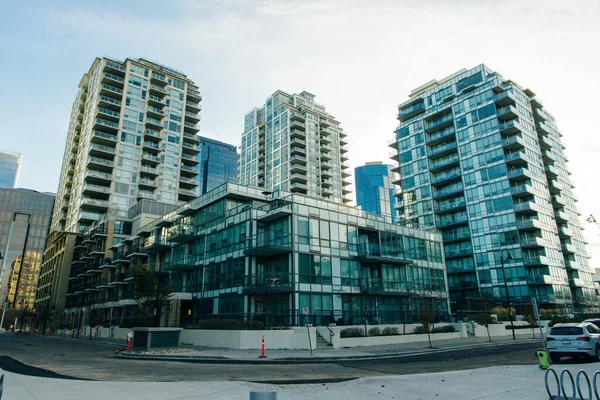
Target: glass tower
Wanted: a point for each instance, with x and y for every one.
(10, 165)
(292, 143)
(24, 223)
(218, 163)
(132, 136)
(375, 189)
(482, 160)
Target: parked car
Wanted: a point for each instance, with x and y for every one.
(595, 321)
(573, 340)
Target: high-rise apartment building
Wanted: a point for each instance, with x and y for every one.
(24, 222)
(10, 165)
(217, 164)
(481, 159)
(375, 188)
(292, 143)
(132, 136)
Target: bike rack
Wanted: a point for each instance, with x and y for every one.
(576, 387)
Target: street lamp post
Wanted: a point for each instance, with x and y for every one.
(508, 257)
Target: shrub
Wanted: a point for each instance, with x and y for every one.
(444, 329)
(419, 330)
(374, 332)
(352, 332)
(389, 331)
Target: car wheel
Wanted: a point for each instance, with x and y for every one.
(555, 358)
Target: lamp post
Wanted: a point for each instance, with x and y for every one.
(508, 257)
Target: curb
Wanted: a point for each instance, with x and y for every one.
(315, 360)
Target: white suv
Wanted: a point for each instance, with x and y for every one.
(573, 340)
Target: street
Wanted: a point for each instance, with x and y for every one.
(80, 359)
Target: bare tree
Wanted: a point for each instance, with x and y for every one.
(148, 295)
(529, 315)
(266, 290)
(484, 317)
(427, 319)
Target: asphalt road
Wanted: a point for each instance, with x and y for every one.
(53, 357)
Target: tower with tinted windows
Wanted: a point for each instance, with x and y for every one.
(375, 189)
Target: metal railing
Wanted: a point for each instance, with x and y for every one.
(576, 385)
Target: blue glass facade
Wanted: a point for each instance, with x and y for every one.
(374, 189)
(217, 164)
(481, 159)
(10, 164)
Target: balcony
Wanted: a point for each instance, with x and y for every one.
(577, 282)
(457, 253)
(552, 171)
(452, 221)
(539, 280)
(454, 236)
(393, 144)
(186, 194)
(570, 264)
(448, 191)
(101, 164)
(192, 117)
(153, 123)
(507, 113)
(516, 158)
(190, 127)
(444, 163)
(150, 159)
(187, 170)
(158, 91)
(439, 124)
(442, 150)
(98, 205)
(561, 217)
(529, 224)
(97, 176)
(510, 127)
(565, 233)
(189, 159)
(545, 142)
(95, 189)
(327, 157)
(410, 111)
(568, 248)
(540, 115)
(297, 134)
(193, 107)
(156, 101)
(146, 194)
(535, 261)
(295, 124)
(111, 91)
(532, 242)
(114, 67)
(555, 186)
(158, 79)
(269, 244)
(450, 206)
(522, 190)
(298, 187)
(519, 174)
(296, 167)
(505, 98)
(298, 142)
(150, 134)
(549, 157)
(513, 143)
(189, 148)
(298, 160)
(445, 135)
(106, 126)
(151, 147)
(558, 201)
(195, 95)
(526, 207)
(103, 138)
(154, 112)
(190, 137)
(148, 171)
(543, 129)
(297, 150)
(188, 183)
(108, 113)
(374, 253)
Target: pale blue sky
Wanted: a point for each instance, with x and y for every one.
(360, 58)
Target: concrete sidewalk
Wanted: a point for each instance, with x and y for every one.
(207, 355)
(495, 383)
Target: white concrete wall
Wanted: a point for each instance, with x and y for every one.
(395, 339)
(500, 329)
(296, 338)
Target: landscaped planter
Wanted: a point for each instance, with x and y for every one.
(395, 339)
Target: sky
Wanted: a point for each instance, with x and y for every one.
(360, 58)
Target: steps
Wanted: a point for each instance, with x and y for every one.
(321, 342)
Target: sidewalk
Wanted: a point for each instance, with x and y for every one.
(208, 355)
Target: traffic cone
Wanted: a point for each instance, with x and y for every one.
(128, 343)
(94, 335)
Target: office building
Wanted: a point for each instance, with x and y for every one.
(132, 136)
(291, 143)
(24, 222)
(238, 253)
(10, 165)
(482, 159)
(375, 188)
(217, 164)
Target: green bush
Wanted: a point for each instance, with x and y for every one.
(374, 332)
(390, 331)
(352, 332)
(419, 330)
(444, 329)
